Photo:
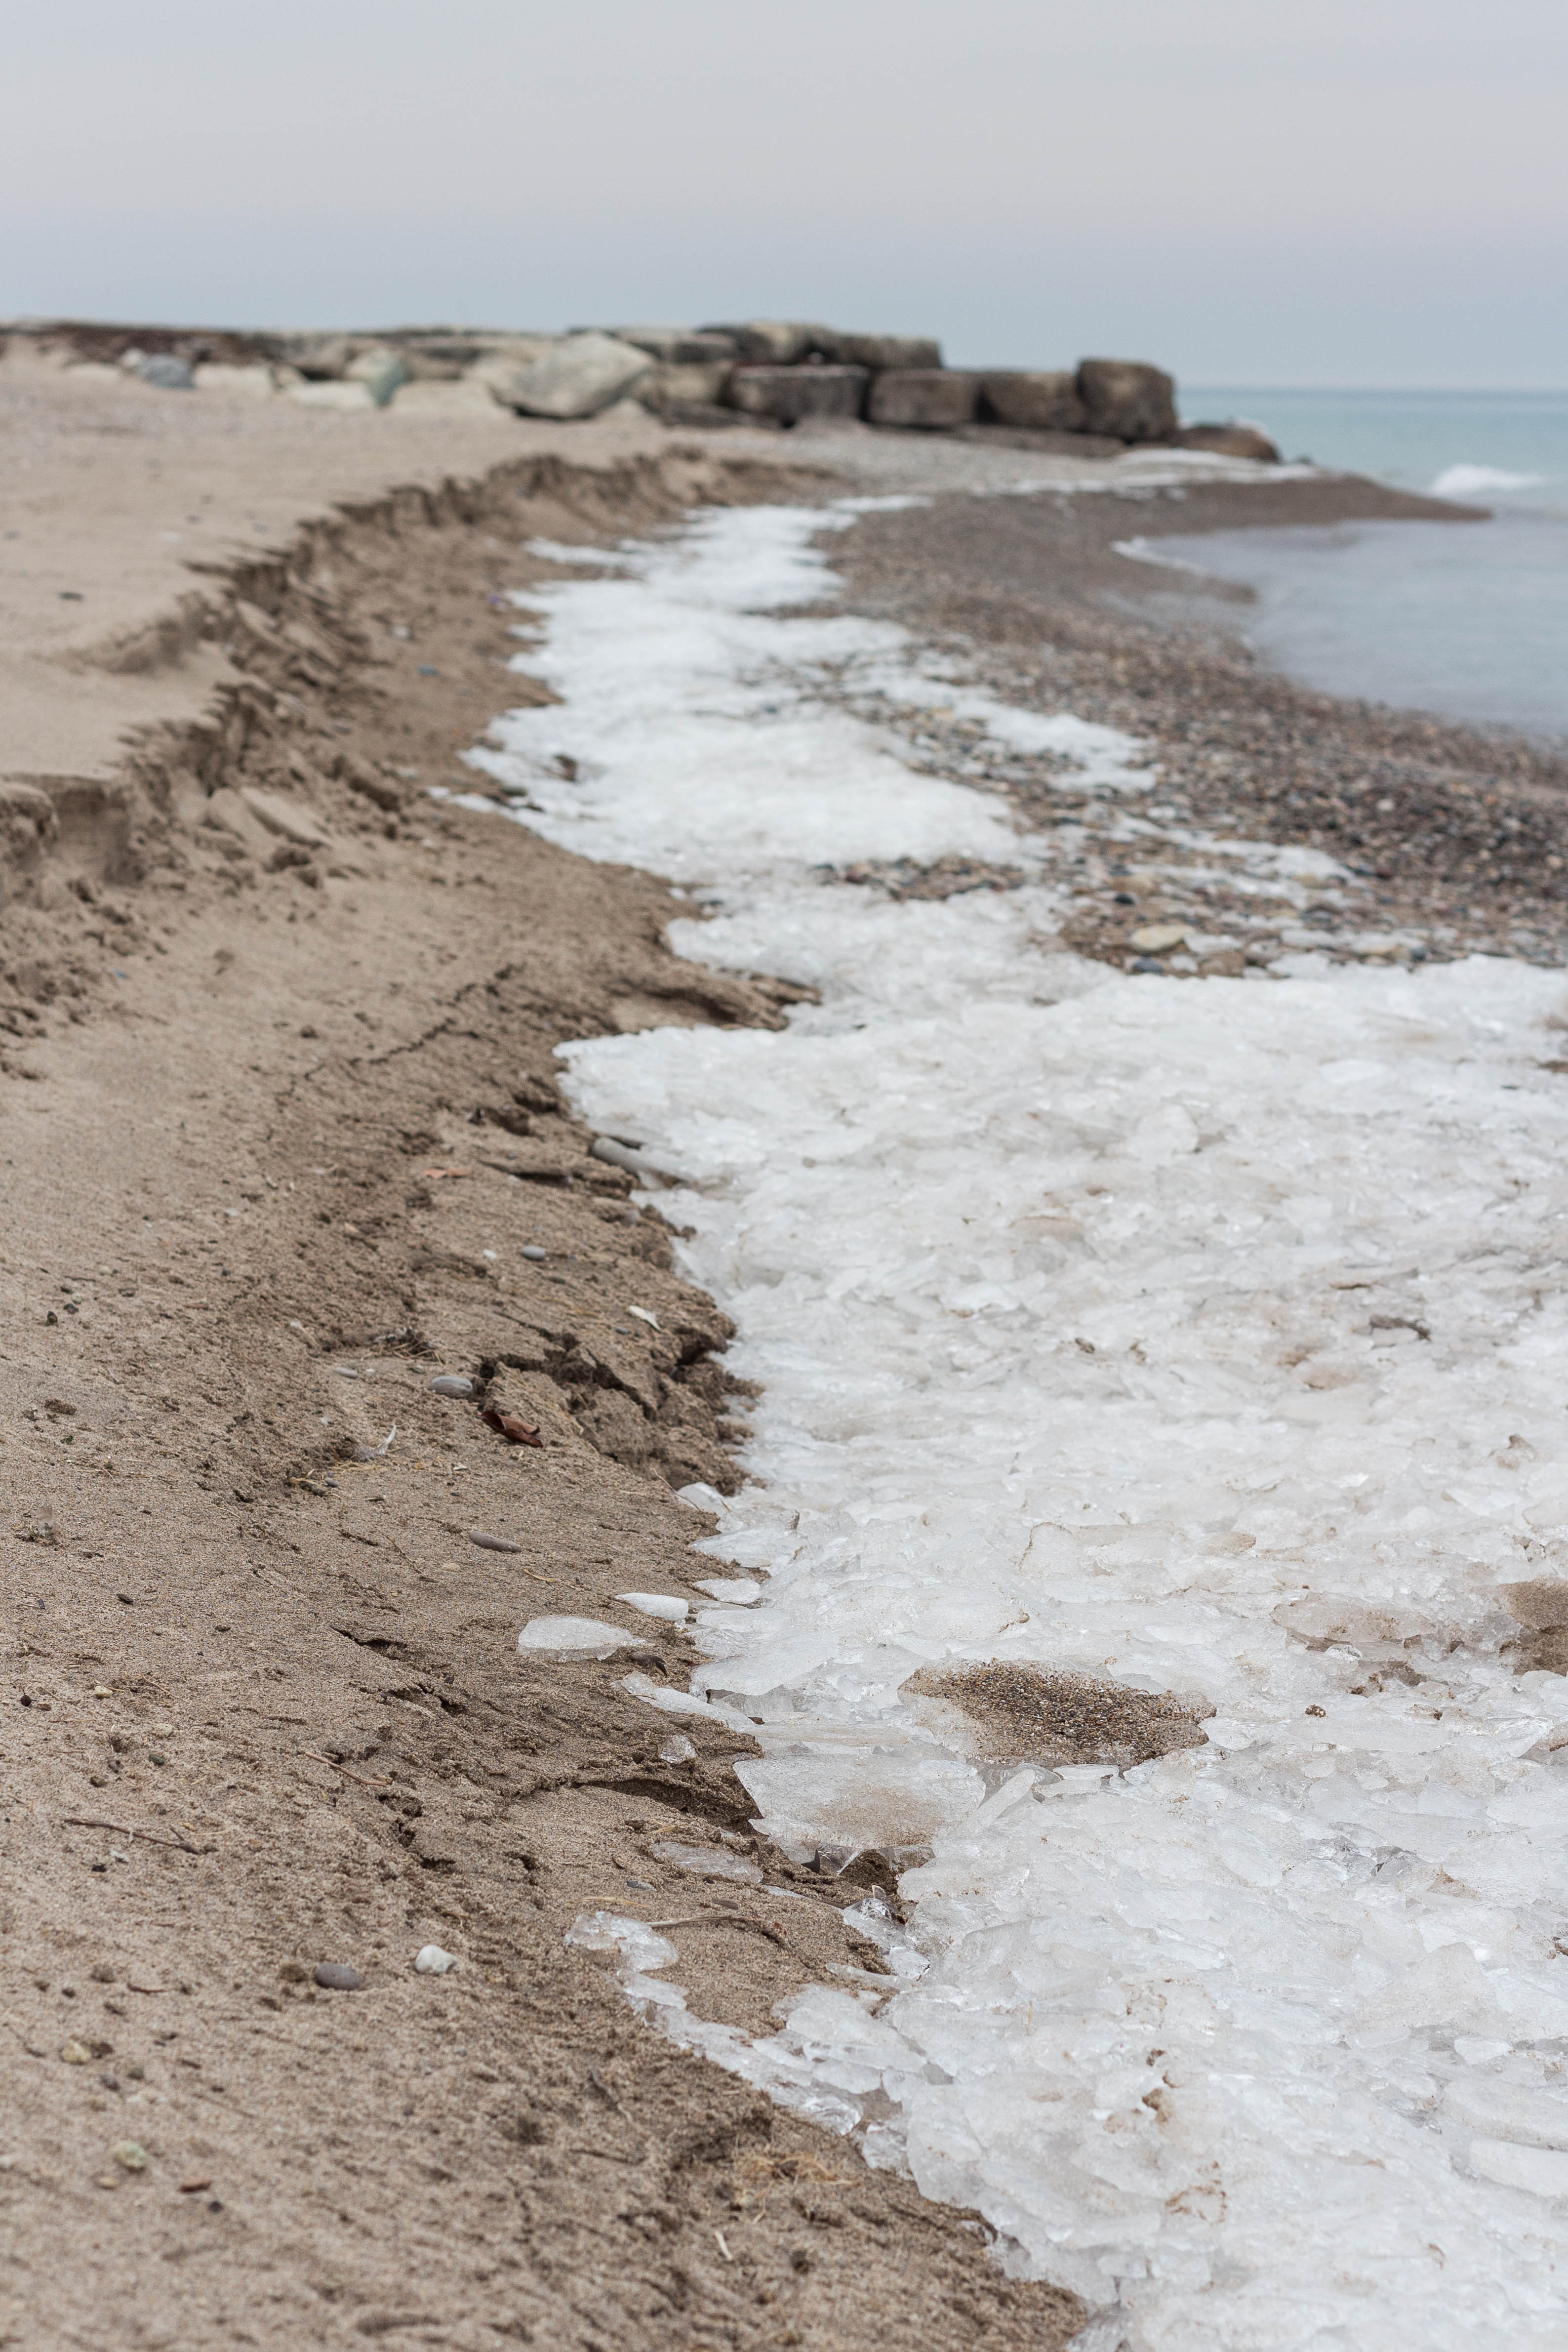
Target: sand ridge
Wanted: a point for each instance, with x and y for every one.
(280, 1120)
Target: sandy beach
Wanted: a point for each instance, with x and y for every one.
(283, 1116)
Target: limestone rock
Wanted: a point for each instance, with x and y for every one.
(1228, 441)
(1128, 399)
(317, 356)
(380, 370)
(933, 398)
(1043, 400)
(788, 394)
(878, 352)
(165, 372)
(578, 376)
(256, 381)
(496, 372)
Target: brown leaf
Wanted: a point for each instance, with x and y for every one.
(521, 1432)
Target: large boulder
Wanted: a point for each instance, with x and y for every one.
(1128, 399)
(497, 371)
(576, 377)
(1040, 400)
(685, 386)
(1228, 441)
(320, 358)
(777, 343)
(932, 399)
(878, 352)
(788, 394)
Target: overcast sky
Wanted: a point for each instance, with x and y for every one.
(1250, 191)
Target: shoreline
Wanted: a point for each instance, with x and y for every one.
(304, 986)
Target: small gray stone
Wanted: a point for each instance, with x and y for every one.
(492, 1543)
(166, 373)
(336, 1976)
(532, 1252)
(617, 1155)
(450, 1384)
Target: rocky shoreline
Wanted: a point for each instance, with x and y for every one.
(768, 373)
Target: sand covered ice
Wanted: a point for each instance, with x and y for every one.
(1201, 1340)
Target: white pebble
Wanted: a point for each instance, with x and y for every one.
(432, 1961)
(532, 1250)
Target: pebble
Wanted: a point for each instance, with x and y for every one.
(76, 2054)
(337, 1976)
(533, 1252)
(492, 1543)
(430, 1960)
(129, 2155)
(450, 1384)
(677, 1748)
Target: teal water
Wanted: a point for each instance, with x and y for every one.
(1468, 621)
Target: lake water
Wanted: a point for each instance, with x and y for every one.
(1470, 622)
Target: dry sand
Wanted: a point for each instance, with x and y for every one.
(276, 1051)
(275, 1087)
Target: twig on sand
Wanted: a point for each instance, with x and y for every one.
(722, 1919)
(121, 1829)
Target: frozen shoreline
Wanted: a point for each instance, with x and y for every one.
(1165, 1417)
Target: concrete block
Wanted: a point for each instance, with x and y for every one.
(933, 399)
(777, 343)
(678, 346)
(1043, 400)
(788, 394)
(1127, 398)
(878, 352)
(681, 385)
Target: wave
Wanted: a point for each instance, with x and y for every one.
(1468, 481)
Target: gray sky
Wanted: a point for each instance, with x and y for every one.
(1250, 191)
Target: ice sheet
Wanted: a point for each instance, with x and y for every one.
(1203, 1337)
